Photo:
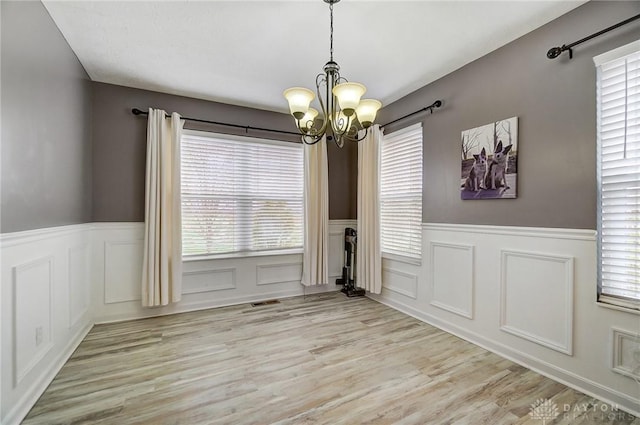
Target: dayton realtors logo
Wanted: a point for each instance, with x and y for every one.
(544, 410)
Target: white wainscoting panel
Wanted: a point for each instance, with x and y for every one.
(123, 270)
(79, 282)
(207, 280)
(537, 298)
(401, 282)
(44, 311)
(452, 277)
(33, 305)
(532, 298)
(270, 274)
(207, 283)
(336, 246)
(626, 353)
(336, 256)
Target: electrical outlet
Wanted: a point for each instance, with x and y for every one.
(39, 335)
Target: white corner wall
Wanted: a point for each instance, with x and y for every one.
(56, 283)
(528, 294)
(46, 281)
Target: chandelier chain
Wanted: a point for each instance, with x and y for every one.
(331, 28)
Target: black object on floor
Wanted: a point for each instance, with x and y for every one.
(267, 302)
(348, 271)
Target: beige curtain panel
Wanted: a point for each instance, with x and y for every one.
(368, 254)
(162, 261)
(315, 261)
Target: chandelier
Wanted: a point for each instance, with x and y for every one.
(344, 113)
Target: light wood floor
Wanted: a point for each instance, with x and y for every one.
(323, 359)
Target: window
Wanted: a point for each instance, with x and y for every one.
(618, 93)
(401, 192)
(240, 194)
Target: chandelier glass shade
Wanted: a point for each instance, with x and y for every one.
(344, 112)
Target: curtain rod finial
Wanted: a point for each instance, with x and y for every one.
(554, 52)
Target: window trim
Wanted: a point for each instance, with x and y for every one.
(395, 256)
(402, 258)
(619, 304)
(604, 300)
(243, 254)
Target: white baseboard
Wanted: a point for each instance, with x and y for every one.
(530, 295)
(205, 305)
(565, 377)
(33, 393)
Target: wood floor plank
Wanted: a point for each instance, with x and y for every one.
(322, 359)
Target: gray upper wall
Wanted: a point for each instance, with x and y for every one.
(47, 177)
(555, 101)
(46, 120)
(119, 148)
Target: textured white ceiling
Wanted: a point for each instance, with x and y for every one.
(247, 52)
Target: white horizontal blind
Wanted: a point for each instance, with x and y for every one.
(401, 192)
(619, 180)
(240, 194)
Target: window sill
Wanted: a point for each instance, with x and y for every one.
(402, 259)
(238, 255)
(612, 306)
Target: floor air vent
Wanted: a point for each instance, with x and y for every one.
(268, 302)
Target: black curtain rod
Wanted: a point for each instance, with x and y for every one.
(137, 111)
(554, 52)
(430, 108)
